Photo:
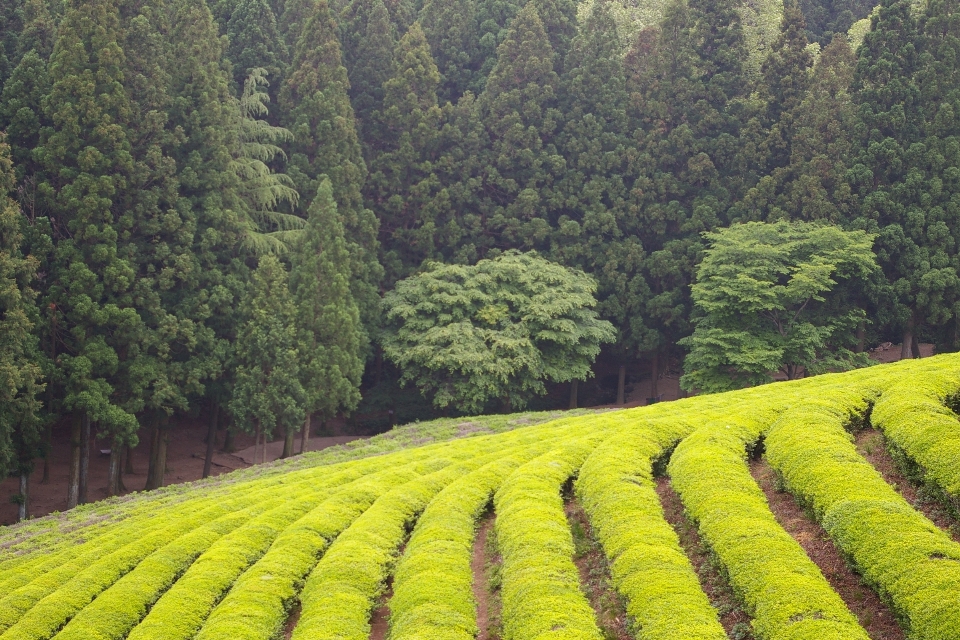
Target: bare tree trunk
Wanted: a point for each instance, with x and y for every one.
(124, 455)
(24, 508)
(305, 434)
(915, 346)
(128, 461)
(158, 458)
(289, 438)
(73, 488)
(654, 374)
(228, 445)
(211, 437)
(152, 464)
(84, 459)
(621, 384)
(574, 387)
(906, 346)
(113, 476)
(861, 337)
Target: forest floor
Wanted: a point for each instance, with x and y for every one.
(186, 451)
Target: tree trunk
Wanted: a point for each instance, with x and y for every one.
(24, 508)
(654, 375)
(158, 459)
(621, 384)
(48, 452)
(574, 387)
(256, 442)
(124, 455)
(84, 459)
(915, 346)
(861, 337)
(305, 435)
(906, 346)
(228, 445)
(128, 461)
(73, 488)
(289, 438)
(113, 476)
(211, 438)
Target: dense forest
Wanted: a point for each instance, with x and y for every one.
(203, 204)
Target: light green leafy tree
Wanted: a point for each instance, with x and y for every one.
(771, 298)
(497, 330)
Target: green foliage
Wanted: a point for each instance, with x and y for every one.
(764, 294)
(493, 331)
(327, 320)
(255, 42)
(20, 373)
(268, 394)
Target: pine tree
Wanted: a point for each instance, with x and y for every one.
(518, 111)
(888, 156)
(20, 372)
(255, 41)
(403, 186)
(328, 325)
(87, 161)
(451, 30)
(316, 109)
(268, 395)
(369, 38)
(39, 29)
(494, 18)
(559, 18)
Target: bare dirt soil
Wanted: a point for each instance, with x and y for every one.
(595, 579)
(871, 445)
(481, 579)
(734, 620)
(874, 616)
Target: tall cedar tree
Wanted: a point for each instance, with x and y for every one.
(518, 111)
(268, 395)
(451, 30)
(255, 41)
(88, 165)
(20, 372)
(316, 108)
(594, 229)
(559, 18)
(494, 18)
(403, 188)
(892, 176)
(369, 38)
(329, 332)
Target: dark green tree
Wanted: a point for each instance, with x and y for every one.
(329, 332)
(267, 394)
(369, 38)
(316, 108)
(21, 434)
(255, 41)
(403, 189)
(763, 292)
(559, 18)
(494, 331)
(451, 30)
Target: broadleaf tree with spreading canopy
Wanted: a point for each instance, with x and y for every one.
(770, 299)
(497, 330)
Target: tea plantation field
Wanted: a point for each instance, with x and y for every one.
(321, 537)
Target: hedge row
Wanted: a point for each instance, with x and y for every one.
(648, 567)
(341, 591)
(433, 581)
(540, 589)
(121, 607)
(182, 610)
(916, 421)
(909, 561)
(781, 588)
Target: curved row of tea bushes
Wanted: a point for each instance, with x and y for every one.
(663, 596)
(183, 610)
(341, 591)
(540, 589)
(915, 419)
(912, 564)
(433, 580)
(781, 588)
(121, 607)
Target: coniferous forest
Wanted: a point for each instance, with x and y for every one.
(205, 207)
